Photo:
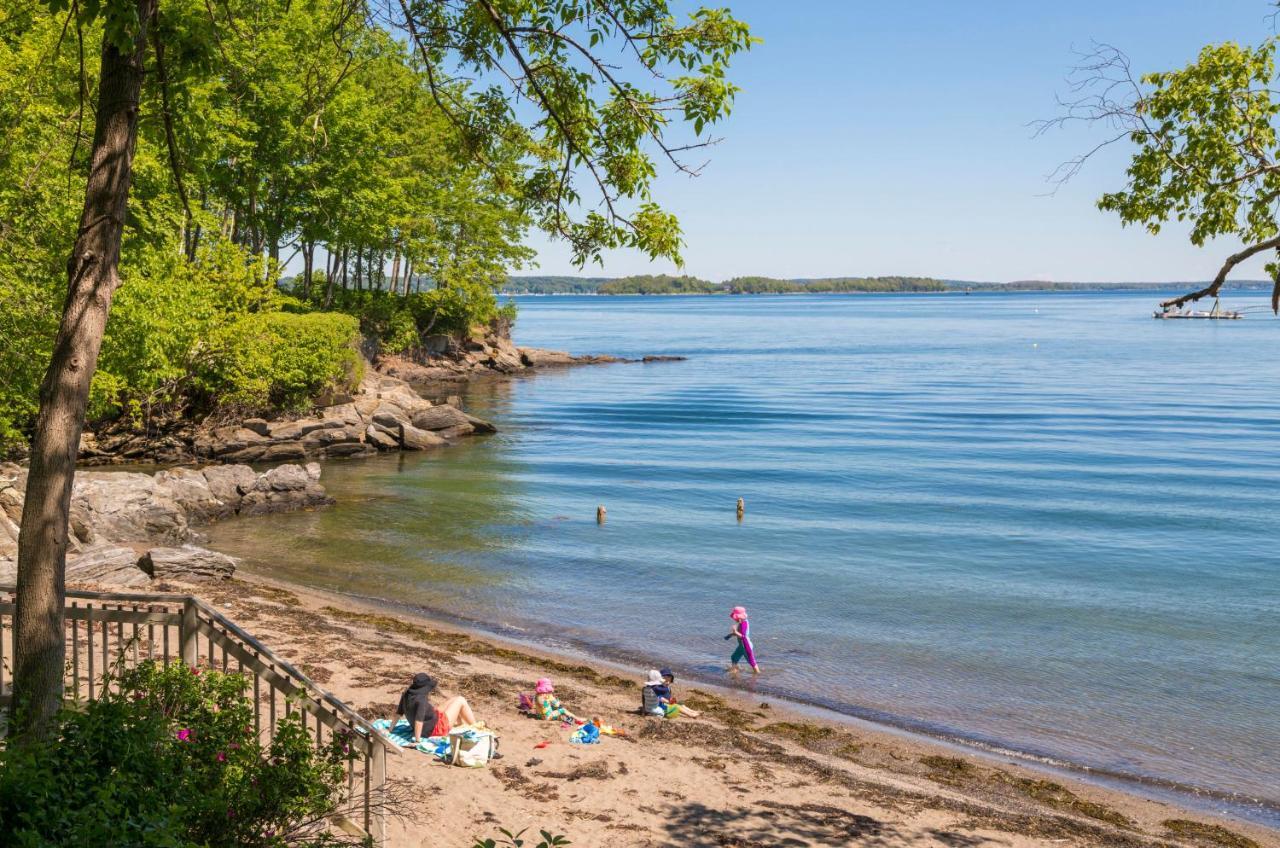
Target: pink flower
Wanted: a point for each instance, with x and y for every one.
(196, 672)
(222, 758)
(184, 735)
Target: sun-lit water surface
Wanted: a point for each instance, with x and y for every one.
(1046, 522)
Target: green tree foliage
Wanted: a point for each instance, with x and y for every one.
(833, 285)
(535, 284)
(1207, 151)
(168, 758)
(658, 284)
(372, 144)
(592, 125)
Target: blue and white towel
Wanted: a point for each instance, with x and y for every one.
(402, 735)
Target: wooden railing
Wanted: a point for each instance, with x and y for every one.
(109, 631)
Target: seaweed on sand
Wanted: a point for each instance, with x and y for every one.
(1061, 798)
(1208, 834)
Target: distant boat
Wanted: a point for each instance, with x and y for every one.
(1217, 313)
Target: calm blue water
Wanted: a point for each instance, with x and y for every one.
(1043, 522)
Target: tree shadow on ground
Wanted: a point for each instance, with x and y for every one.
(772, 824)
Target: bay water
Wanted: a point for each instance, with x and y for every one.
(1040, 523)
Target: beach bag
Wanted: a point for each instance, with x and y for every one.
(472, 748)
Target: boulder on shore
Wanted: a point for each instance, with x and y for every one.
(187, 563)
(440, 418)
(121, 506)
(107, 564)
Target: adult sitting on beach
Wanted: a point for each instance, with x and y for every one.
(415, 705)
(549, 707)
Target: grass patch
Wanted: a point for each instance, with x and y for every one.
(1211, 834)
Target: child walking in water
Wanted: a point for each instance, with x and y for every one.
(742, 629)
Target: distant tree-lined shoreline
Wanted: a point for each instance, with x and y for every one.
(664, 284)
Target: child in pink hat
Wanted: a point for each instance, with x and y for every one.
(742, 630)
(549, 705)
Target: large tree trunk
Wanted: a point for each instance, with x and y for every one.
(39, 649)
(395, 273)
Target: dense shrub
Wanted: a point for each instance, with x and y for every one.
(280, 360)
(166, 321)
(400, 322)
(171, 759)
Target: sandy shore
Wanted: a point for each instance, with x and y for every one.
(745, 774)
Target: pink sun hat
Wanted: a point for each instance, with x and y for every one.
(543, 686)
(738, 614)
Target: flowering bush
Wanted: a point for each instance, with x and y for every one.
(170, 759)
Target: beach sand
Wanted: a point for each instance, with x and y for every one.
(748, 773)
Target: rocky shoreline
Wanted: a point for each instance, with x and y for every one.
(387, 411)
(128, 528)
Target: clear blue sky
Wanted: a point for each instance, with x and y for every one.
(877, 138)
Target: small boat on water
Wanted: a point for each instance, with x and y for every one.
(1217, 313)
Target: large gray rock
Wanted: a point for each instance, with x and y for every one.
(8, 537)
(187, 562)
(390, 418)
(190, 489)
(411, 438)
(504, 357)
(479, 425)
(107, 564)
(440, 418)
(125, 507)
(284, 452)
(403, 402)
(344, 414)
(321, 439)
(283, 489)
(380, 438)
(292, 430)
(232, 442)
(13, 484)
(353, 449)
(228, 483)
(258, 425)
(456, 432)
(534, 357)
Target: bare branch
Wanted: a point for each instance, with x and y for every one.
(1233, 260)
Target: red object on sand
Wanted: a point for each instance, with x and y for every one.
(542, 744)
